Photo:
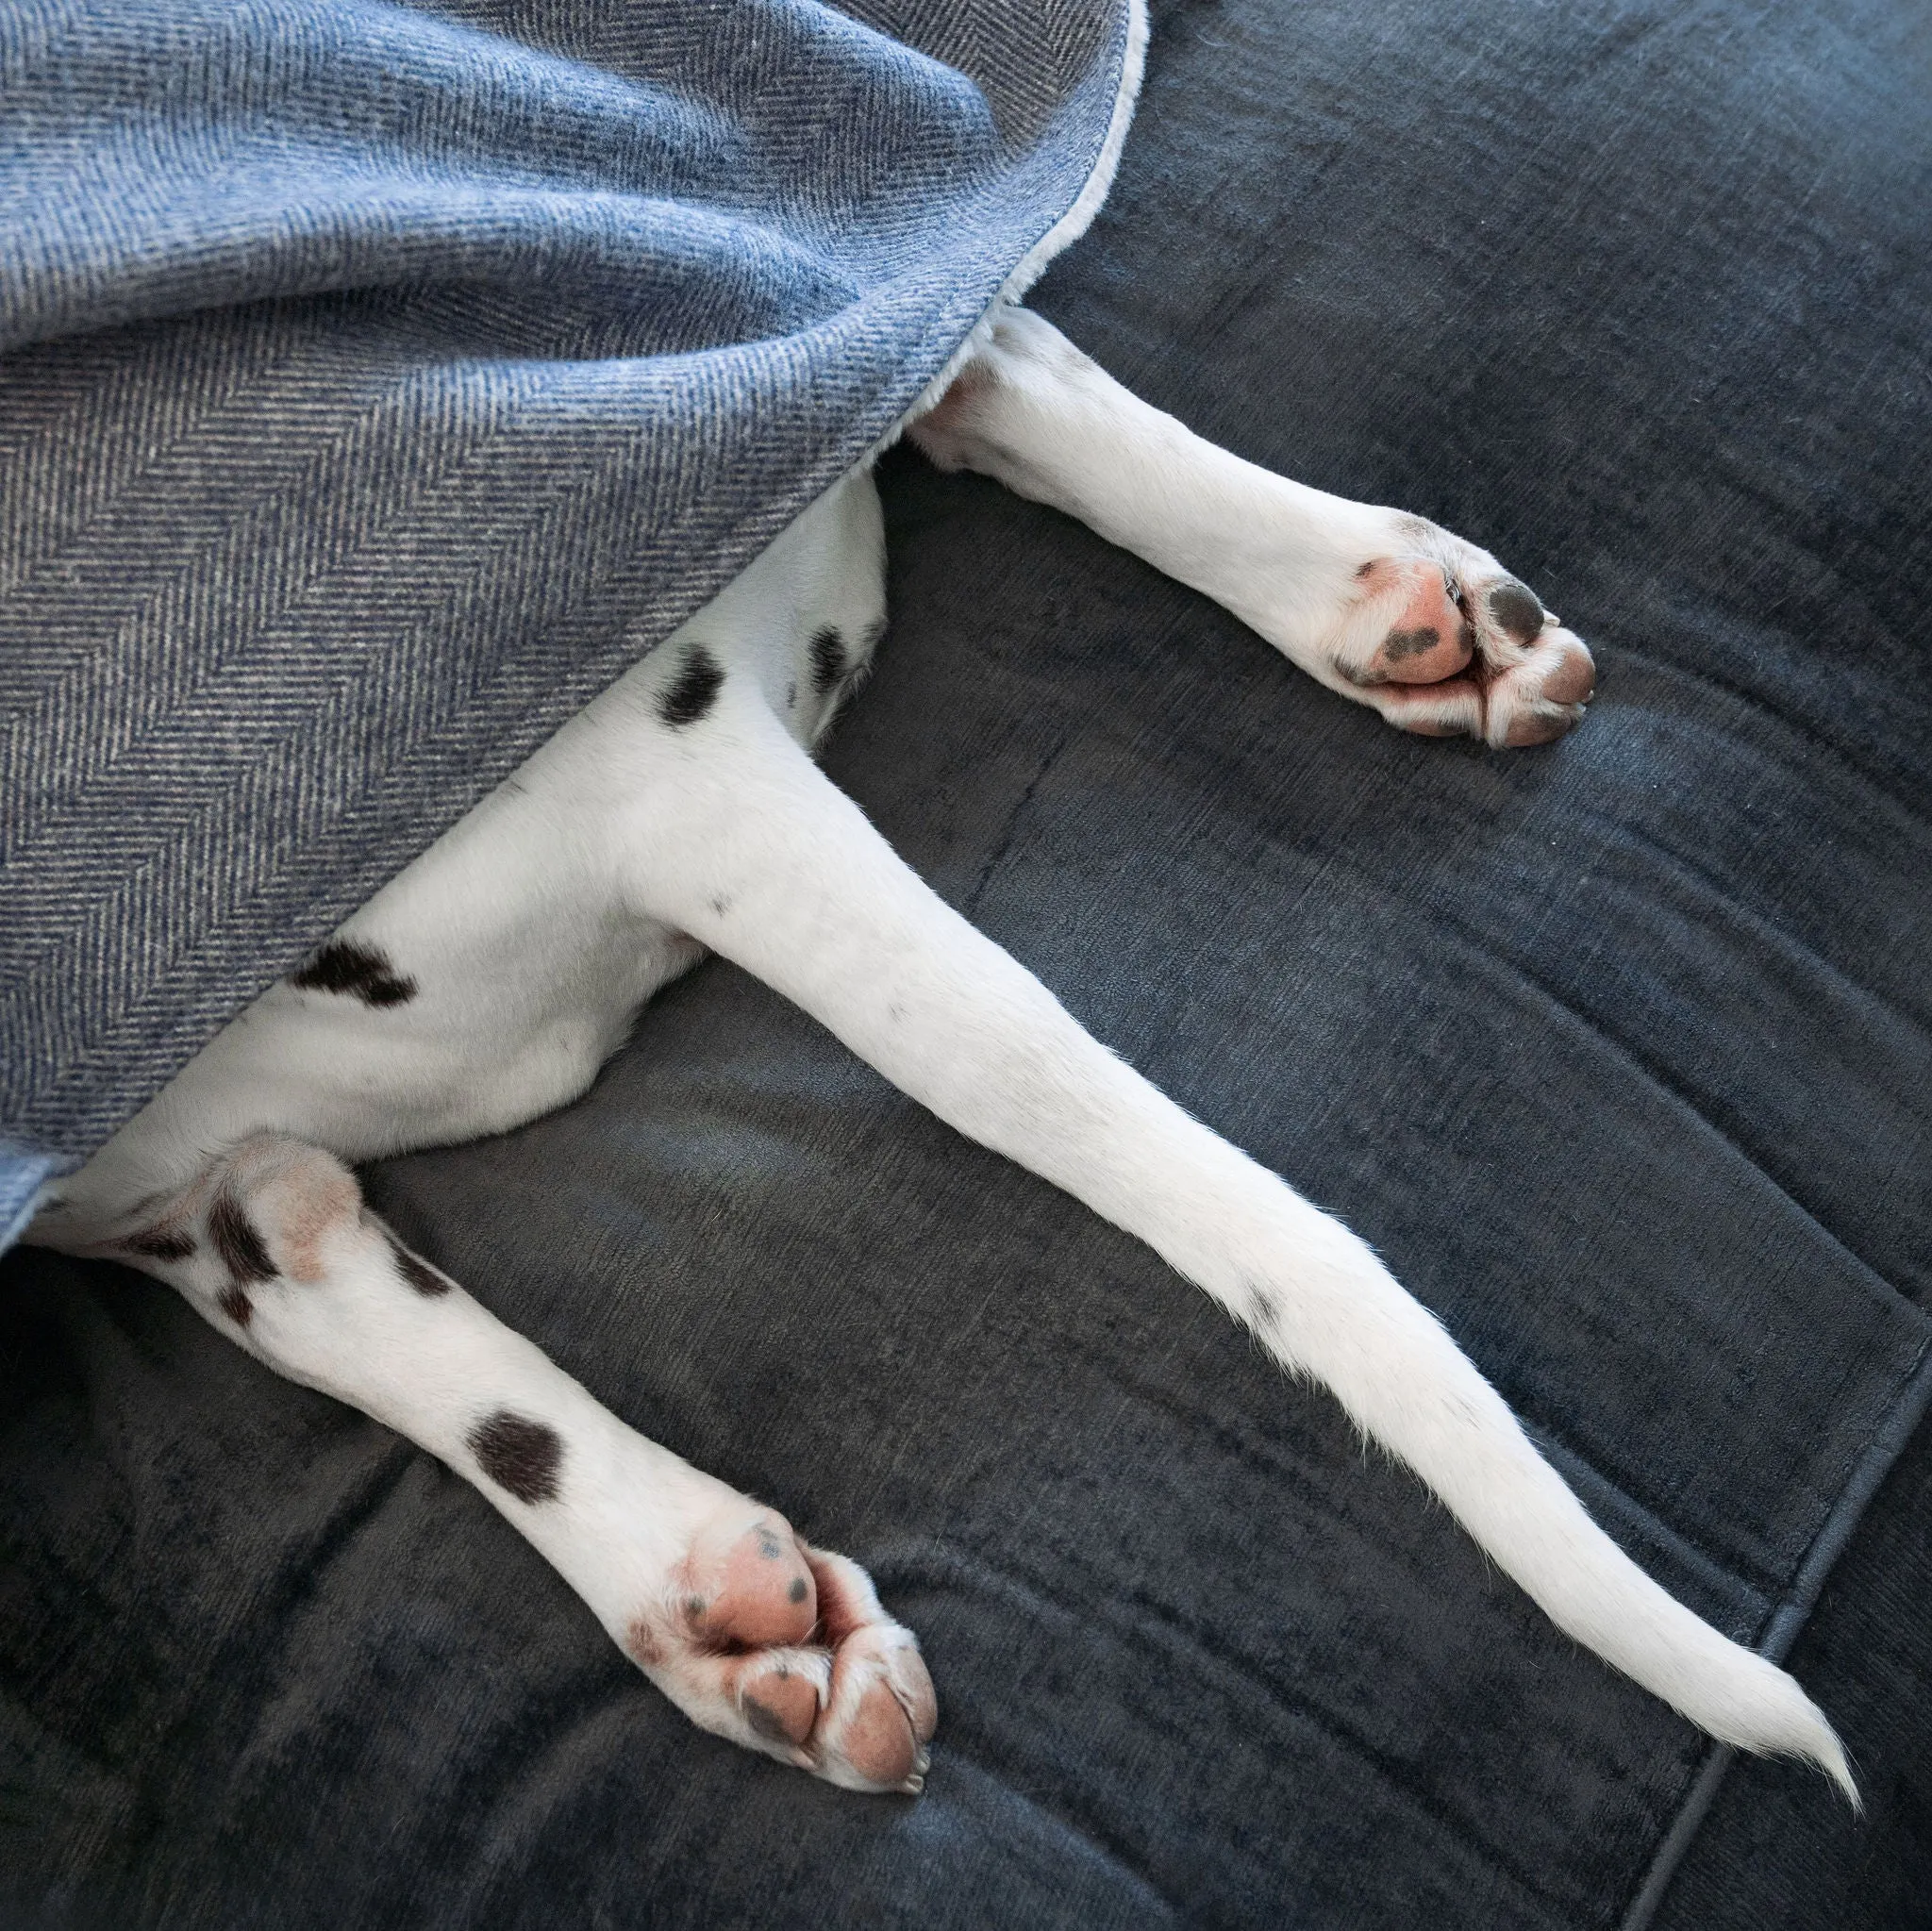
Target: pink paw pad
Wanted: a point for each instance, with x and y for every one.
(750, 1590)
(1431, 639)
(883, 1710)
(786, 1648)
(1426, 636)
(1466, 652)
(779, 1701)
(1572, 679)
(1543, 697)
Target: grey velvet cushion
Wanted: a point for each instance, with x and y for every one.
(1619, 1051)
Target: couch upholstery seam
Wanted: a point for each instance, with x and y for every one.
(1907, 1409)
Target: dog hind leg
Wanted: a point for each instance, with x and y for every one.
(1388, 609)
(749, 1630)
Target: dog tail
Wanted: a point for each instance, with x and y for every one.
(1338, 1317)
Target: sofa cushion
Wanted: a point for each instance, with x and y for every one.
(1618, 1050)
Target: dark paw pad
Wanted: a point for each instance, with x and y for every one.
(1514, 609)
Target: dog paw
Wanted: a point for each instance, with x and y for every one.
(1437, 636)
(784, 1648)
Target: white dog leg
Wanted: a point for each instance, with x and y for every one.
(750, 1631)
(1388, 609)
(737, 838)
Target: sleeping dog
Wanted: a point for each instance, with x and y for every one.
(681, 813)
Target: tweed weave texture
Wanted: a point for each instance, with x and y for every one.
(382, 381)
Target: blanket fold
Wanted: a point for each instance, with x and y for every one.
(380, 382)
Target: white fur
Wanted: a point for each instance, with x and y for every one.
(629, 844)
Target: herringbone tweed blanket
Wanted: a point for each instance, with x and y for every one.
(378, 382)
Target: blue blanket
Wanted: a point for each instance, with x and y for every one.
(380, 382)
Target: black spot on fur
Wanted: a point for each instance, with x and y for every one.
(770, 1547)
(721, 905)
(520, 1456)
(242, 1250)
(791, 695)
(418, 1273)
(160, 1243)
(828, 659)
(1260, 1311)
(1513, 607)
(346, 966)
(236, 1306)
(1408, 644)
(796, 1592)
(694, 691)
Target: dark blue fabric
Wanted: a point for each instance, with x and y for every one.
(1766, 1855)
(1619, 1050)
(382, 381)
